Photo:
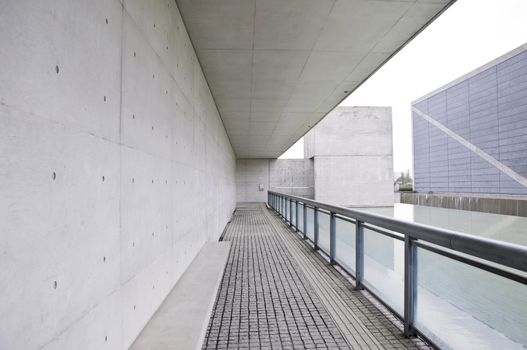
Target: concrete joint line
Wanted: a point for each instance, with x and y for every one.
(487, 157)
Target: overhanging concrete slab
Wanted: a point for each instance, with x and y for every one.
(276, 67)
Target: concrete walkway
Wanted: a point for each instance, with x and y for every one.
(277, 293)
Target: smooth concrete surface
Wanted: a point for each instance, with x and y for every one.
(354, 181)
(181, 321)
(352, 153)
(115, 169)
(276, 67)
(293, 176)
(506, 205)
(250, 175)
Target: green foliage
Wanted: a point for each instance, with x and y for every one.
(406, 187)
(404, 178)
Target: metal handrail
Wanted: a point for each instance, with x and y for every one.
(414, 235)
(500, 252)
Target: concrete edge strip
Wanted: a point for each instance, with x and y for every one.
(337, 318)
(212, 302)
(336, 303)
(329, 298)
(478, 151)
(350, 324)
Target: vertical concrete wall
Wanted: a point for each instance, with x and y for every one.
(497, 204)
(115, 168)
(352, 152)
(250, 173)
(294, 176)
(488, 108)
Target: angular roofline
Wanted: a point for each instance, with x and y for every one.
(474, 72)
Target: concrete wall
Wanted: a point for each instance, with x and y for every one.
(115, 168)
(488, 108)
(352, 152)
(294, 176)
(509, 205)
(250, 173)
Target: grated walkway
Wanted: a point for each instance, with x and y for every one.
(277, 293)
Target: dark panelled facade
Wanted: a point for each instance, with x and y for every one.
(488, 109)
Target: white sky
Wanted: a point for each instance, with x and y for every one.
(466, 36)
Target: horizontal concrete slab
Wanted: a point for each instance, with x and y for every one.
(181, 321)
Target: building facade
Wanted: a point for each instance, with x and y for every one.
(470, 136)
(347, 161)
(352, 156)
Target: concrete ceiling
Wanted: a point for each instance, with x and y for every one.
(276, 67)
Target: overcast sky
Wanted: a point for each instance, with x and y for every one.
(468, 35)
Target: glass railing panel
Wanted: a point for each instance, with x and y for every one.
(384, 268)
(462, 307)
(345, 245)
(310, 222)
(323, 231)
(300, 225)
(286, 209)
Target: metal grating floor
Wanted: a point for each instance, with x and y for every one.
(277, 293)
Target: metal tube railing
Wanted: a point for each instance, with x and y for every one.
(508, 254)
(512, 256)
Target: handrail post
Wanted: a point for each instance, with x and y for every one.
(315, 228)
(410, 285)
(359, 254)
(304, 226)
(296, 216)
(290, 212)
(332, 237)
